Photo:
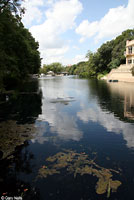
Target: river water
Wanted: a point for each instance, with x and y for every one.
(65, 138)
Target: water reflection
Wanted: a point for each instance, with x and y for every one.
(108, 121)
(23, 105)
(18, 113)
(17, 117)
(10, 183)
(85, 119)
(114, 102)
(117, 98)
(126, 90)
(109, 104)
(53, 113)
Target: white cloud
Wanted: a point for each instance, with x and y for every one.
(76, 47)
(112, 24)
(51, 55)
(87, 29)
(54, 55)
(108, 121)
(58, 18)
(63, 14)
(68, 61)
(33, 12)
(51, 1)
(78, 58)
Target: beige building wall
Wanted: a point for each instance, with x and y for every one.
(123, 73)
(129, 52)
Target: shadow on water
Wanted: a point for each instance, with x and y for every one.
(10, 184)
(19, 110)
(22, 105)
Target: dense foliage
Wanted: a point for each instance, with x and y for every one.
(80, 69)
(54, 67)
(19, 55)
(110, 55)
(13, 5)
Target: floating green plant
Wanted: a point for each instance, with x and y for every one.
(79, 163)
(43, 173)
(12, 135)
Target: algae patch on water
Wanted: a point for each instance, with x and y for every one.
(13, 135)
(80, 163)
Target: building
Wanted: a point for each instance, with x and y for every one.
(50, 73)
(129, 52)
(124, 71)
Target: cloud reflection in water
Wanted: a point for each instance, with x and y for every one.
(108, 121)
(60, 122)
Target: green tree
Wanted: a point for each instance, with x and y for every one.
(55, 67)
(13, 5)
(19, 55)
(110, 55)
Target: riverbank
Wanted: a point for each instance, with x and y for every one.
(123, 74)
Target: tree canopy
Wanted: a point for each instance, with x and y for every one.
(110, 55)
(55, 67)
(13, 5)
(19, 55)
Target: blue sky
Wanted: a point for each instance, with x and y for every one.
(67, 29)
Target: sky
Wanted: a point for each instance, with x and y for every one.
(67, 29)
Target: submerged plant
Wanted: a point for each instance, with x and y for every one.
(13, 135)
(79, 163)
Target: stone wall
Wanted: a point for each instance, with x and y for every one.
(122, 73)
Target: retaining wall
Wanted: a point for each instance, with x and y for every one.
(122, 73)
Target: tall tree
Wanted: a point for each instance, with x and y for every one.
(12, 5)
(19, 55)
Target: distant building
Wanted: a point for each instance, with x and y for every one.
(50, 73)
(64, 73)
(129, 52)
(124, 71)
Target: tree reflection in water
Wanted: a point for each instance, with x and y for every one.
(117, 98)
(17, 118)
(10, 184)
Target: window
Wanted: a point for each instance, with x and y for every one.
(129, 61)
(130, 50)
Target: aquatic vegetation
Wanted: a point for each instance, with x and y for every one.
(79, 163)
(13, 135)
(43, 173)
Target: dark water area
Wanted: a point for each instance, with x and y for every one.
(64, 138)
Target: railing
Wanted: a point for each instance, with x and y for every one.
(128, 53)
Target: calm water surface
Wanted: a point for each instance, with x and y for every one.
(68, 139)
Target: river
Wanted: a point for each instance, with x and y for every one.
(65, 138)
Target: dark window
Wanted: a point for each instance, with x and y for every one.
(129, 61)
(130, 50)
